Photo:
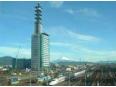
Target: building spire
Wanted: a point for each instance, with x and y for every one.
(38, 14)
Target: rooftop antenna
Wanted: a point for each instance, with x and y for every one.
(38, 18)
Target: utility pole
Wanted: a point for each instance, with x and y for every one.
(85, 74)
(69, 78)
(47, 77)
(30, 77)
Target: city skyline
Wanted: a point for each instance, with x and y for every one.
(77, 30)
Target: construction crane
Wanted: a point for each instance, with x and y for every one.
(17, 54)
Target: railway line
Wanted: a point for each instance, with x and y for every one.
(102, 75)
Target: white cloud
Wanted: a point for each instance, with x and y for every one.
(13, 51)
(83, 37)
(73, 47)
(67, 33)
(87, 54)
(59, 44)
(100, 56)
(70, 11)
(88, 12)
(56, 4)
(84, 11)
(95, 55)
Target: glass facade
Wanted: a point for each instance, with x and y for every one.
(45, 55)
(40, 52)
(35, 53)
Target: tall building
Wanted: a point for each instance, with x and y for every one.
(40, 44)
(21, 63)
(45, 49)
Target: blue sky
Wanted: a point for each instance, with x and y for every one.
(78, 30)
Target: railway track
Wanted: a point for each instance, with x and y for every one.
(102, 75)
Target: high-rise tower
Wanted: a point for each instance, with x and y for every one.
(39, 44)
(38, 19)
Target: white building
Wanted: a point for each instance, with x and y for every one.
(45, 53)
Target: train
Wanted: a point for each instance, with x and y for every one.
(63, 78)
(57, 80)
(78, 74)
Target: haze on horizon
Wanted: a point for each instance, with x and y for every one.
(77, 30)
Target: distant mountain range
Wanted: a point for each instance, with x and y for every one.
(67, 61)
(8, 60)
(107, 61)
